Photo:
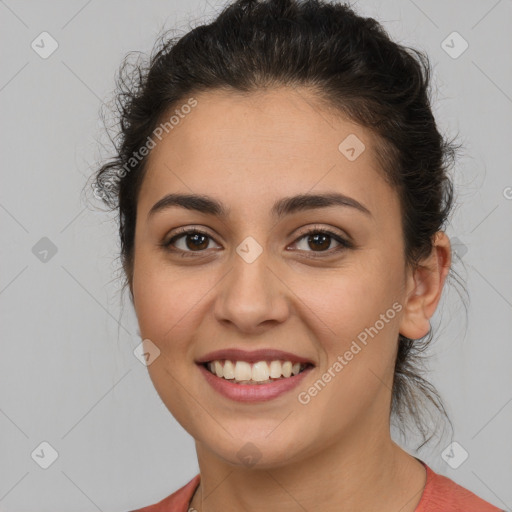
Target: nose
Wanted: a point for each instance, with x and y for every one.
(252, 296)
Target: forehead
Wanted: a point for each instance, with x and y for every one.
(264, 145)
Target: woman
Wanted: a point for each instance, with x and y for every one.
(282, 188)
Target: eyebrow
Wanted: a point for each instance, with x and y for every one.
(281, 208)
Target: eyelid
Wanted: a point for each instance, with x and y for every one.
(323, 229)
(343, 240)
(188, 230)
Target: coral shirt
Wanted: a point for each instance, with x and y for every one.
(440, 494)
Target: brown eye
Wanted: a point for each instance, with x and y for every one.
(197, 241)
(320, 241)
(190, 240)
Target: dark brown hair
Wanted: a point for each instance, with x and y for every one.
(353, 67)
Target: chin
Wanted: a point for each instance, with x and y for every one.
(256, 449)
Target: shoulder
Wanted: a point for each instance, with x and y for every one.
(177, 502)
(442, 493)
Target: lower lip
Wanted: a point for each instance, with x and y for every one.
(253, 392)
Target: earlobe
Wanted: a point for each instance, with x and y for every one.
(424, 289)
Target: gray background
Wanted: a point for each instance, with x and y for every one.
(68, 373)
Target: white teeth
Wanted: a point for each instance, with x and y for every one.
(244, 373)
(228, 370)
(260, 371)
(218, 369)
(287, 369)
(275, 369)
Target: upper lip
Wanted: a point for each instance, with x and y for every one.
(236, 354)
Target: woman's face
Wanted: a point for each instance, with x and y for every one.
(258, 282)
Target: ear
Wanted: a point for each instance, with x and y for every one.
(424, 287)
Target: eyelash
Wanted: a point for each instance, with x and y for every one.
(344, 244)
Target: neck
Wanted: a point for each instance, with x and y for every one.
(364, 472)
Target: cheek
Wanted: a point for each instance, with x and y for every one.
(154, 295)
(164, 305)
(357, 316)
(159, 305)
(346, 303)
(357, 328)
(167, 302)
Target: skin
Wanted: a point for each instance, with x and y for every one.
(334, 453)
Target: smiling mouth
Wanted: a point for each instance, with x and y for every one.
(261, 372)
